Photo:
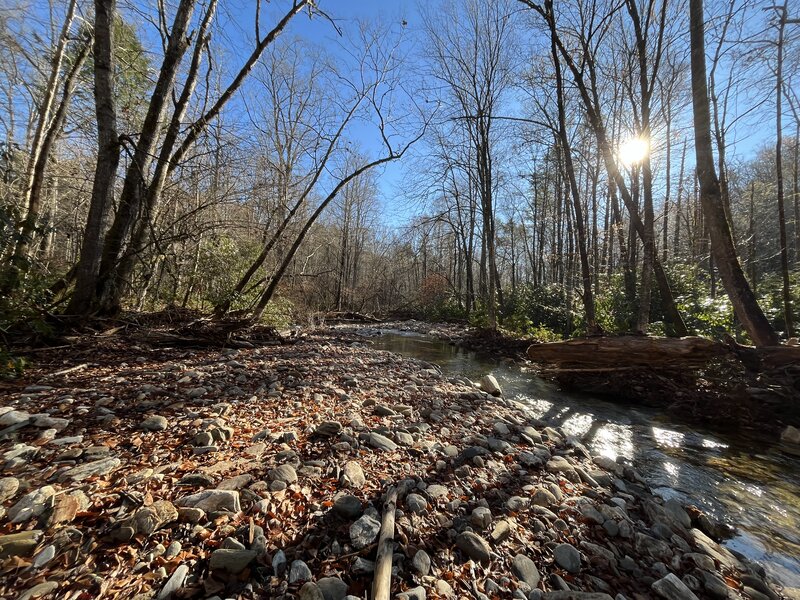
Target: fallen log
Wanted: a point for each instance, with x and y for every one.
(382, 582)
(636, 352)
(349, 317)
(627, 352)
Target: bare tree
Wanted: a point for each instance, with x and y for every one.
(469, 46)
(742, 297)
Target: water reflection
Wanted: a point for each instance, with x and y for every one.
(667, 438)
(755, 490)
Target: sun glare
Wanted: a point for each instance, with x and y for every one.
(633, 151)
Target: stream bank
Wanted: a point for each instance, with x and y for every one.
(728, 394)
(144, 472)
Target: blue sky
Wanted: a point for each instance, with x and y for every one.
(346, 14)
(236, 19)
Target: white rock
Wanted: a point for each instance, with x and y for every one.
(212, 500)
(490, 385)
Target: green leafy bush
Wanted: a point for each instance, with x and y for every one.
(279, 313)
(10, 366)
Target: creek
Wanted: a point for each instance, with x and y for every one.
(745, 481)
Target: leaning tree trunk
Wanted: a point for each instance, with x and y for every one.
(744, 301)
(47, 129)
(592, 104)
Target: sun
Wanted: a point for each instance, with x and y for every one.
(633, 151)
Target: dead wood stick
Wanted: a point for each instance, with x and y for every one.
(382, 582)
(70, 370)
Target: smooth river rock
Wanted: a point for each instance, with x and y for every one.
(474, 546)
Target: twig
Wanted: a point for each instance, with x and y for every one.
(70, 370)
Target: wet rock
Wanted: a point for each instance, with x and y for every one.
(490, 385)
(672, 588)
(422, 562)
(90, 469)
(348, 506)
(364, 531)
(525, 570)
(474, 546)
(677, 513)
(299, 571)
(19, 544)
(332, 588)
(174, 583)
(231, 561)
(31, 505)
(567, 557)
(284, 473)
(353, 475)
(154, 423)
(212, 501)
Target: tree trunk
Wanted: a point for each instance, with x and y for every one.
(787, 295)
(47, 130)
(569, 168)
(742, 297)
(108, 151)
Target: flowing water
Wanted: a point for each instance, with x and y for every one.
(743, 481)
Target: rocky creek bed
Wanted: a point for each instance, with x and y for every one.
(138, 472)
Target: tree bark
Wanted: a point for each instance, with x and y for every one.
(784, 249)
(744, 301)
(108, 151)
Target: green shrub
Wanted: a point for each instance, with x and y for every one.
(10, 366)
(279, 313)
